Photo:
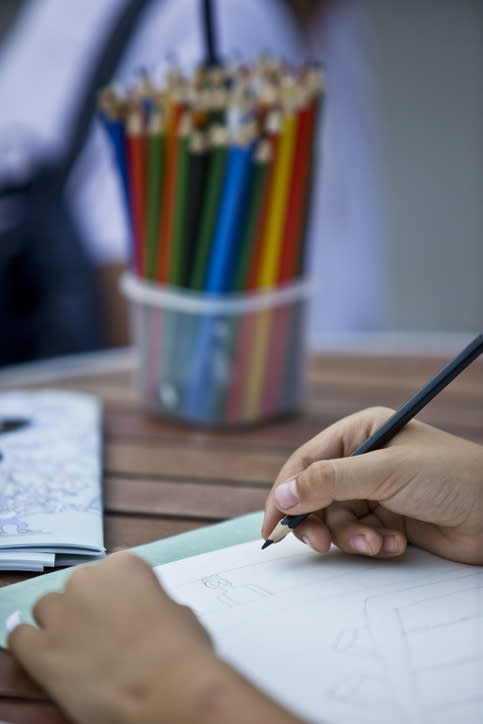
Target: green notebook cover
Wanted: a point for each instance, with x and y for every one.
(22, 596)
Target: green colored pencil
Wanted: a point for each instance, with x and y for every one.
(209, 213)
(156, 159)
(179, 242)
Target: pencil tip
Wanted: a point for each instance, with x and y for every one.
(267, 543)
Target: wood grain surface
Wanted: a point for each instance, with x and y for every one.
(163, 478)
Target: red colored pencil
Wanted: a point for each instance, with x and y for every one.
(136, 161)
(291, 241)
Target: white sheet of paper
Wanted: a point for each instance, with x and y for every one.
(337, 638)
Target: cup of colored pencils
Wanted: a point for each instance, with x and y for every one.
(216, 175)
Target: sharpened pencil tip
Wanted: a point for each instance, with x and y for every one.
(267, 543)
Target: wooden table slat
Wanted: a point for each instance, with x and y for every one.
(180, 460)
(127, 531)
(154, 497)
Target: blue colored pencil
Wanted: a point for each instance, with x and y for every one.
(112, 116)
(206, 367)
(230, 214)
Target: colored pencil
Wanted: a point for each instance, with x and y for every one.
(267, 275)
(231, 209)
(290, 247)
(111, 114)
(218, 139)
(261, 165)
(287, 372)
(280, 379)
(155, 164)
(169, 190)
(239, 405)
(273, 123)
(198, 166)
(136, 162)
(206, 377)
(178, 243)
(234, 336)
(267, 272)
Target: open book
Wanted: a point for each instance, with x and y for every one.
(50, 479)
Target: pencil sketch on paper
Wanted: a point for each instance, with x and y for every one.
(354, 641)
(229, 594)
(360, 689)
(429, 645)
(367, 637)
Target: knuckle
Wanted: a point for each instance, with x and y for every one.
(317, 481)
(124, 560)
(44, 606)
(79, 578)
(380, 412)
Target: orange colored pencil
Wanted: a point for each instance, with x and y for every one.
(315, 81)
(296, 208)
(169, 190)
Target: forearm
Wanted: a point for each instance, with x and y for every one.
(210, 692)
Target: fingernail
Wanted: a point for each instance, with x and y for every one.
(390, 544)
(358, 543)
(13, 621)
(286, 494)
(307, 542)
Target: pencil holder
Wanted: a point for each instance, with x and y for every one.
(218, 360)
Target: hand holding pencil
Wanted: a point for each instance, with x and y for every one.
(311, 482)
(425, 487)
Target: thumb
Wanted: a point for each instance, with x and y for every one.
(363, 477)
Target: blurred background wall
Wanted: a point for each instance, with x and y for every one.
(396, 242)
(429, 57)
(399, 213)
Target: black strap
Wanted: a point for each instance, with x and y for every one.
(107, 60)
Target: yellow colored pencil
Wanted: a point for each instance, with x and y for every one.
(269, 262)
(267, 274)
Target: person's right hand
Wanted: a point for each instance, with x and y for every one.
(425, 487)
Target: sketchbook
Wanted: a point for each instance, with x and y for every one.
(50, 479)
(337, 638)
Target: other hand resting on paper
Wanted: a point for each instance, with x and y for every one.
(113, 648)
(425, 487)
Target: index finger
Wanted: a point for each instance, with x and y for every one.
(336, 441)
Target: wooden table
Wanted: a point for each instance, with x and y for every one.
(162, 478)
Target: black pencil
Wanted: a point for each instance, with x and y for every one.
(198, 160)
(397, 421)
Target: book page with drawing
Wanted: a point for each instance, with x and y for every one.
(337, 638)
